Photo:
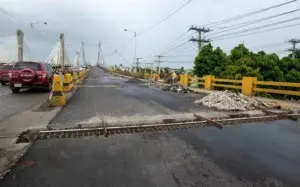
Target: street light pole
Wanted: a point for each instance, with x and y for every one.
(135, 42)
(34, 23)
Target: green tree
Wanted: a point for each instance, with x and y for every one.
(181, 70)
(239, 52)
(210, 61)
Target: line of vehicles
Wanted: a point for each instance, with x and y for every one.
(28, 74)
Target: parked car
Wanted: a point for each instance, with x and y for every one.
(4, 70)
(30, 75)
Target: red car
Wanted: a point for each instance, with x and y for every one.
(4, 70)
(30, 75)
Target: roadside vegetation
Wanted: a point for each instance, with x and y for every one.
(242, 62)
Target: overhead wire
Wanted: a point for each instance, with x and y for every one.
(182, 51)
(244, 24)
(256, 28)
(116, 52)
(25, 24)
(185, 3)
(247, 14)
(271, 45)
(176, 48)
(186, 51)
(169, 44)
(179, 62)
(173, 48)
(246, 34)
(166, 17)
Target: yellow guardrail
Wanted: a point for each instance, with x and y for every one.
(232, 85)
(248, 85)
(197, 80)
(277, 84)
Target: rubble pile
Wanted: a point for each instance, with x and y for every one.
(168, 87)
(226, 100)
(153, 83)
(175, 88)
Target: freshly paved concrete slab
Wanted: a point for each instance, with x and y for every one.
(244, 155)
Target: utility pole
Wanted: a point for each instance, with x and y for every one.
(83, 54)
(200, 39)
(101, 54)
(62, 50)
(294, 42)
(151, 67)
(158, 62)
(99, 48)
(20, 40)
(137, 63)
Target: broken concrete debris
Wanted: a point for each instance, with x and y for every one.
(176, 87)
(227, 100)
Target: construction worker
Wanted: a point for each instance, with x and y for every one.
(174, 77)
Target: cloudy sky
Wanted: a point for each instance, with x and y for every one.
(105, 20)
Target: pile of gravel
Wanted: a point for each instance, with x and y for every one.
(226, 100)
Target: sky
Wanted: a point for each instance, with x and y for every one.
(92, 21)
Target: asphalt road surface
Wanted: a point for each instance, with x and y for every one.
(12, 104)
(242, 155)
(106, 95)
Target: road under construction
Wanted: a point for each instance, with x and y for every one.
(109, 124)
(164, 147)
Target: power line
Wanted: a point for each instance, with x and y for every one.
(170, 44)
(175, 62)
(177, 48)
(255, 28)
(187, 49)
(167, 17)
(240, 25)
(272, 45)
(277, 28)
(179, 56)
(173, 45)
(247, 14)
(180, 45)
(181, 49)
(116, 52)
(24, 23)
